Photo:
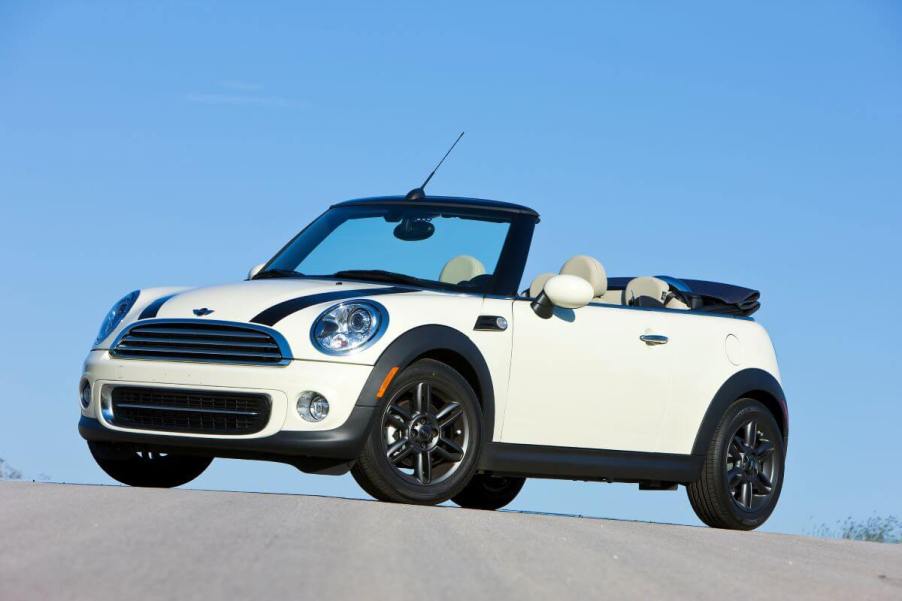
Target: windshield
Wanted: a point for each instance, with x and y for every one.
(457, 249)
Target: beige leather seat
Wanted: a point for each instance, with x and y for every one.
(648, 291)
(538, 284)
(461, 268)
(589, 269)
(583, 266)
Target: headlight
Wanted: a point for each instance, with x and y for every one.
(349, 327)
(114, 317)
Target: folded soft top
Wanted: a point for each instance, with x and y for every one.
(713, 297)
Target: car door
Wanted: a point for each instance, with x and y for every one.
(584, 378)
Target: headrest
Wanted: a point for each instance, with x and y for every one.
(645, 291)
(461, 268)
(538, 284)
(588, 269)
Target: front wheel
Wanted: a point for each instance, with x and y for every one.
(424, 446)
(136, 467)
(743, 469)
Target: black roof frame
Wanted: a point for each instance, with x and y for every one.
(454, 202)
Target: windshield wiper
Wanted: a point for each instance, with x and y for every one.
(278, 273)
(380, 275)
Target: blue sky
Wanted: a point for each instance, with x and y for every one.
(179, 143)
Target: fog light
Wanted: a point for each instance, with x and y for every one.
(85, 394)
(312, 406)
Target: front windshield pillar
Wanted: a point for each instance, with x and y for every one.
(512, 262)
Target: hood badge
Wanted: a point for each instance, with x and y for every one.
(202, 311)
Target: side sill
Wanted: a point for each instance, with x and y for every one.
(566, 463)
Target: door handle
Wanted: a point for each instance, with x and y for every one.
(653, 339)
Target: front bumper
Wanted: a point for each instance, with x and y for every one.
(343, 443)
(285, 437)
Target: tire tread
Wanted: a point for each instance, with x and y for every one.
(371, 476)
(706, 496)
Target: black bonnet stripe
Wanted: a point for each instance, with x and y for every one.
(276, 313)
(153, 308)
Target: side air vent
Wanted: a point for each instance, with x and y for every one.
(201, 340)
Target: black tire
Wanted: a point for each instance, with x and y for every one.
(489, 492)
(740, 483)
(423, 470)
(135, 467)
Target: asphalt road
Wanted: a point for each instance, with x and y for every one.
(107, 542)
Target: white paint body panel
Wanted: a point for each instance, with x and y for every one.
(584, 378)
(580, 379)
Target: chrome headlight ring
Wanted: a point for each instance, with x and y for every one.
(349, 327)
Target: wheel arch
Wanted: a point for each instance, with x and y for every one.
(749, 383)
(440, 343)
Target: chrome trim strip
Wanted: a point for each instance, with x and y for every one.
(280, 341)
(185, 409)
(126, 347)
(209, 332)
(142, 339)
(106, 403)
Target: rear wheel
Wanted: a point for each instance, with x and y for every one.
(489, 492)
(136, 467)
(424, 447)
(743, 470)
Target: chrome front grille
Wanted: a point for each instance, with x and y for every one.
(189, 411)
(201, 340)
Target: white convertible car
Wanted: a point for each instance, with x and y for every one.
(389, 338)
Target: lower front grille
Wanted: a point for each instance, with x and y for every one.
(190, 411)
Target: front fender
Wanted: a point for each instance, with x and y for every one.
(422, 340)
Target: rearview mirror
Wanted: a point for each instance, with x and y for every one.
(414, 230)
(565, 291)
(254, 271)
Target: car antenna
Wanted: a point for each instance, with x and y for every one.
(420, 193)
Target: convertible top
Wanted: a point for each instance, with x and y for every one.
(713, 297)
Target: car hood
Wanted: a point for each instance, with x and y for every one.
(245, 301)
(291, 305)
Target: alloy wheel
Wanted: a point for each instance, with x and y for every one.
(425, 433)
(751, 470)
